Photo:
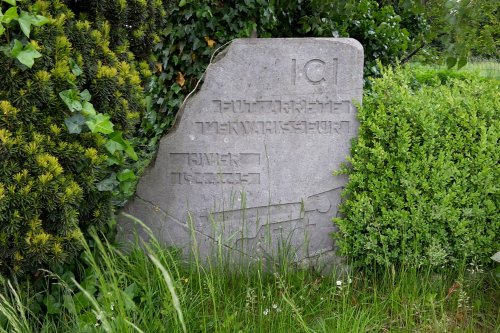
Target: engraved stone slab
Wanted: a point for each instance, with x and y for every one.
(247, 168)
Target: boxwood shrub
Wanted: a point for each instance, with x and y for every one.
(424, 172)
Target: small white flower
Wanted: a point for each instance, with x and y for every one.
(275, 306)
(321, 299)
(350, 280)
(339, 283)
(278, 310)
(112, 317)
(266, 311)
(112, 306)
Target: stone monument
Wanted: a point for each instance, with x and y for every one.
(246, 170)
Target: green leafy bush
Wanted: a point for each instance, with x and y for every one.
(65, 125)
(376, 26)
(193, 31)
(424, 172)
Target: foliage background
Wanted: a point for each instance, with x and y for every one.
(137, 60)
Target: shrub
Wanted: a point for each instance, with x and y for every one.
(194, 30)
(423, 185)
(376, 26)
(61, 162)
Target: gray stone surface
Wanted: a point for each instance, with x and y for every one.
(247, 168)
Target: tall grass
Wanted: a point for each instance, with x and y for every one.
(151, 289)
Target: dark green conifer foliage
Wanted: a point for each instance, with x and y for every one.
(49, 177)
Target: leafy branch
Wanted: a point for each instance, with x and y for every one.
(24, 52)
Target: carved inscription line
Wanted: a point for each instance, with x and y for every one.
(215, 159)
(226, 161)
(272, 127)
(200, 178)
(315, 71)
(282, 106)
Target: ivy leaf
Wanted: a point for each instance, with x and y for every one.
(81, 302)
(450, 62)
(10, 14)
(75, 69)
(25, 54)
(129, 150)
(182, 3)
(176, 88)
(115, 142)
(128, 296)
(71, 98)
(100, 124)
(28, 55)
(462, 61)
(85, 95)
(26, 20)
(53, 306)
(2, 29)
(75, 123)
(114, 160)
(69, 304)
(108, 184)
(112, 146)
(16, 48)
(88, 109)
(126, 178)
(126, 175)
(6, 50)
(10, 2)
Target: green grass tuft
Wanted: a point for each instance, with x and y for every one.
(131, 293)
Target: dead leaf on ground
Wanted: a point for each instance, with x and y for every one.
(159, 67)
(180, 79)
(210, 42)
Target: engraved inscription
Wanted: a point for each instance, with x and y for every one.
(193, 178)
(273, 127)
(315, 71)
(283, 221)
(281, 106)
(215, 159)
(209, 163)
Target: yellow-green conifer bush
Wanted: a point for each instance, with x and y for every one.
(66, 124)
